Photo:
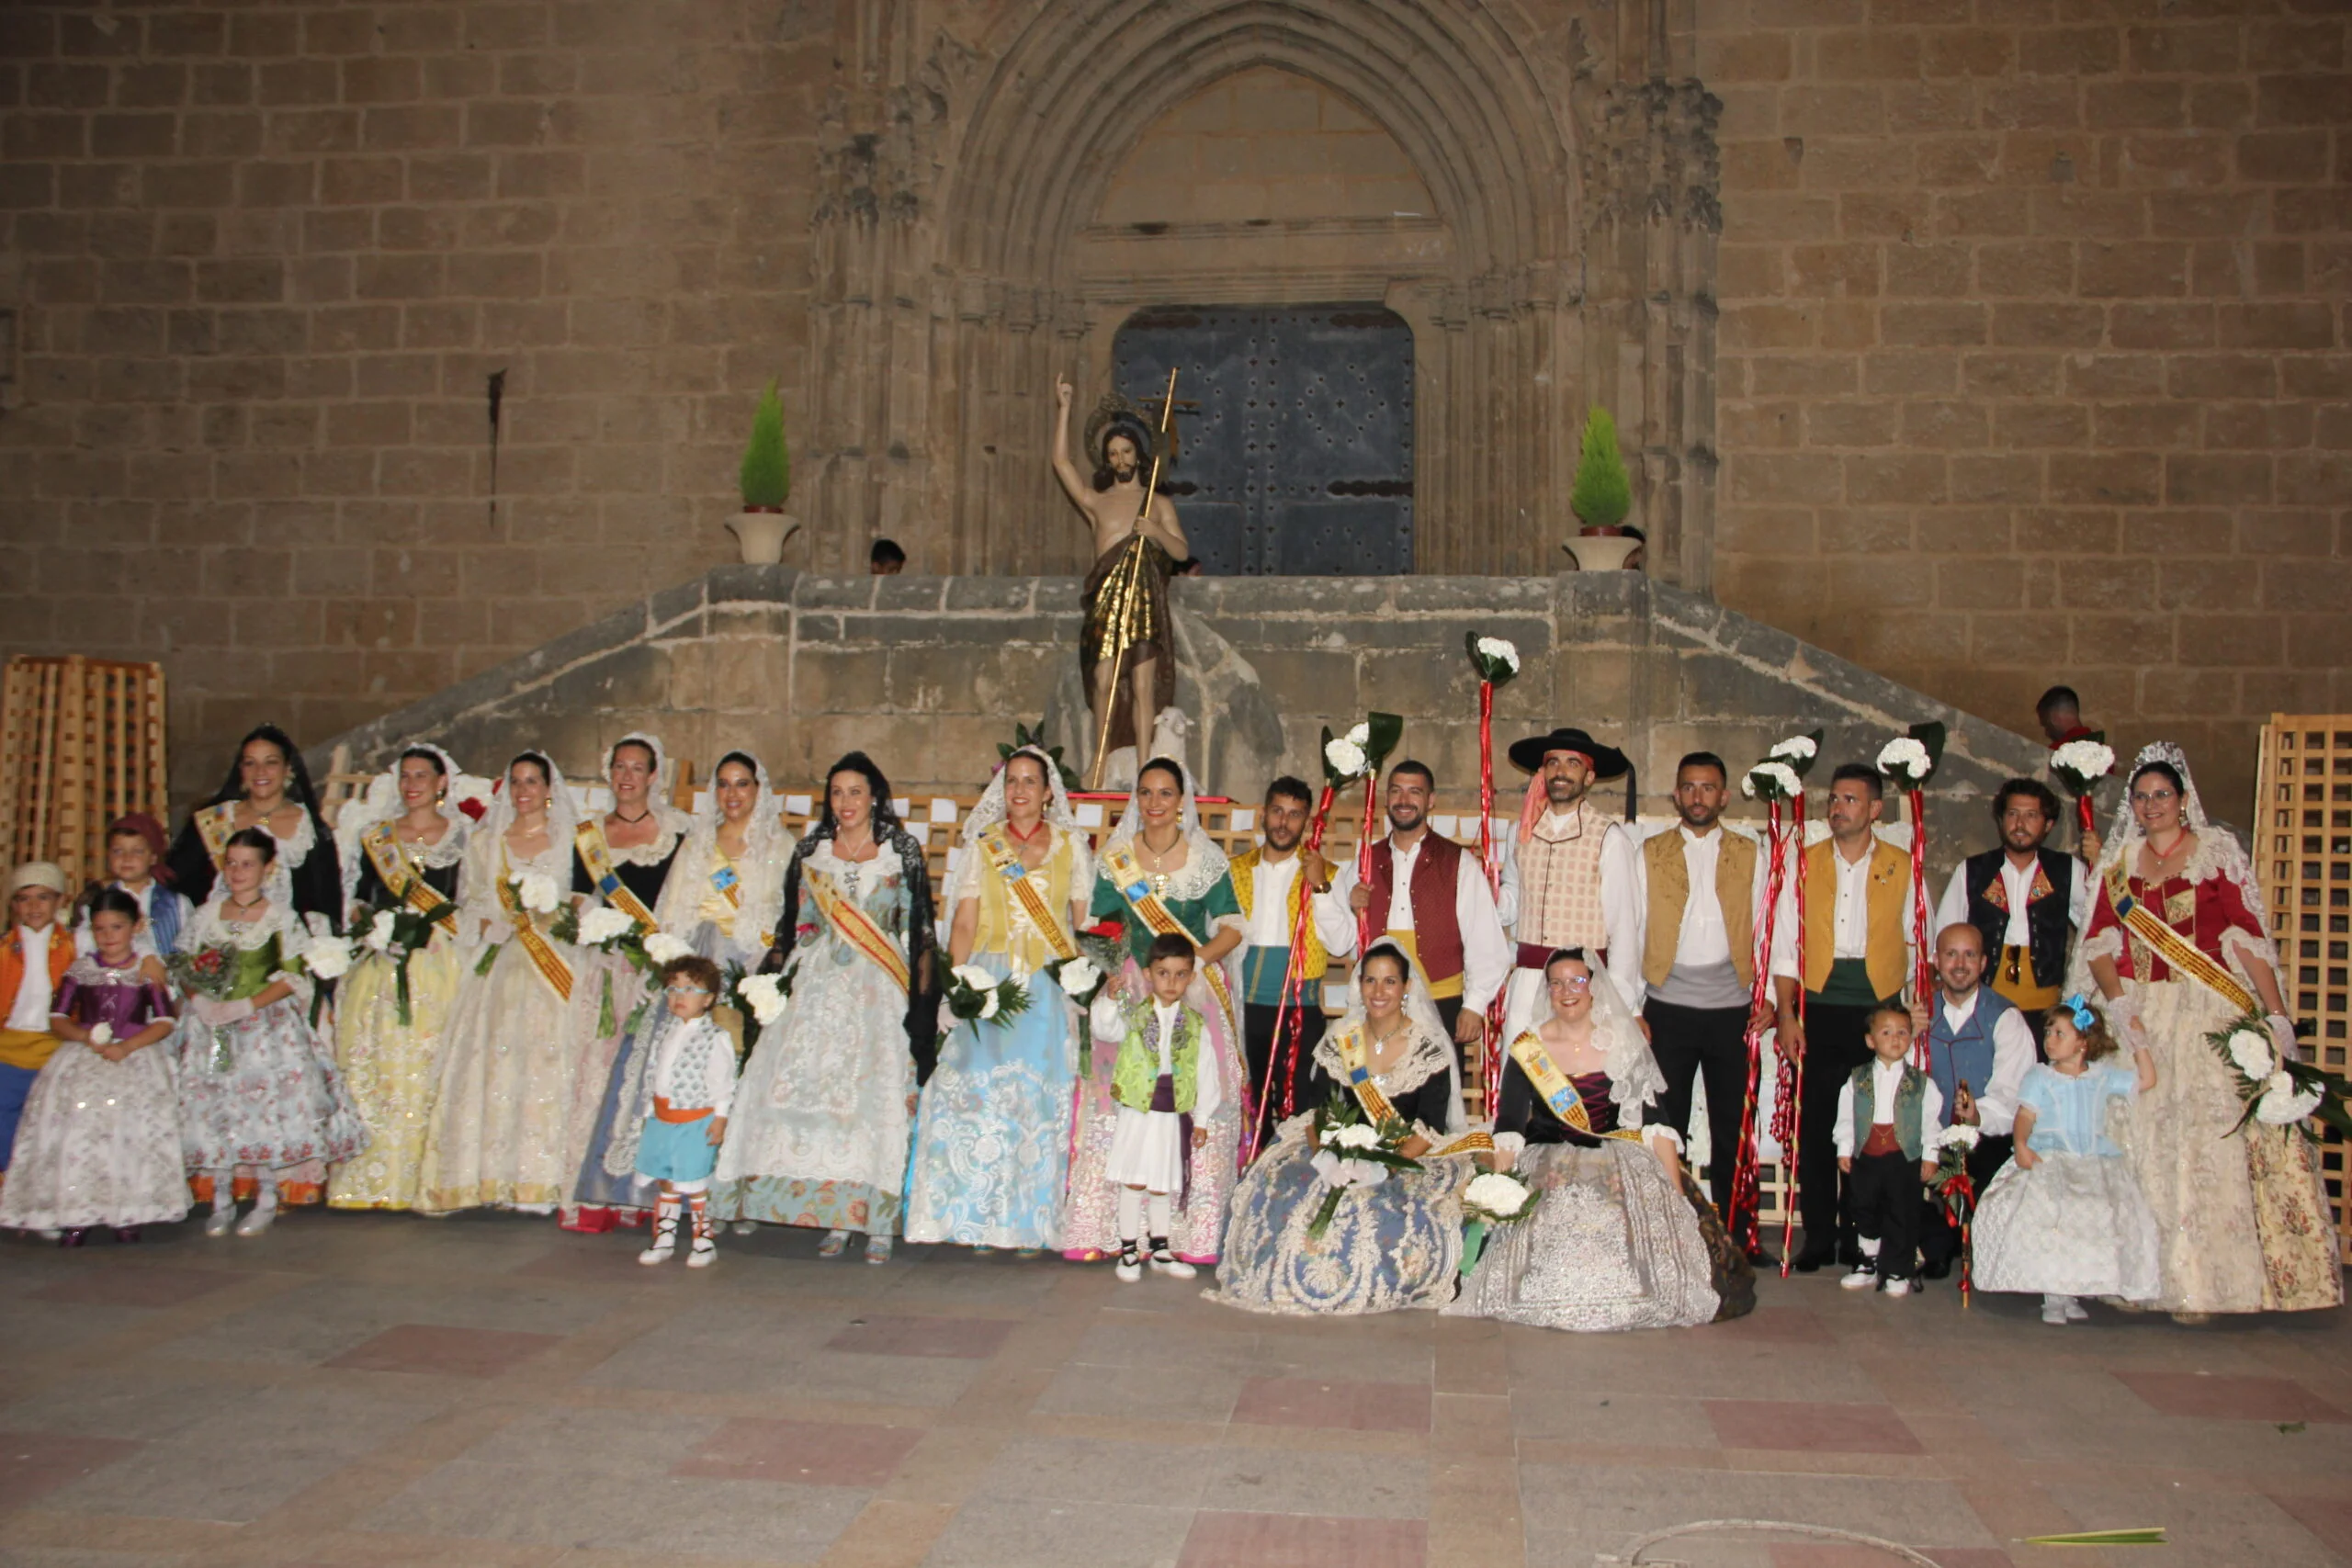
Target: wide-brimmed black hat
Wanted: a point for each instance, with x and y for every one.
(1608, 763)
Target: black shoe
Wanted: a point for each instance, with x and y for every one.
(1935, 1268)
(1759, 1258)
(1811, 1262)
(73, 1237)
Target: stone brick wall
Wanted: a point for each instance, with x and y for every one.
(265, 258)
(2033, 354)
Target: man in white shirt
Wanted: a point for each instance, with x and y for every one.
(1576, 880)
(1702, 894)
(1266, 883)
(1852, 957)
(1978, 1050)
(1432, 899)
(2027, 901)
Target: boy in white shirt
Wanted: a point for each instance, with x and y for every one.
(1888, 1112)
(1167, 1088)
(690, 1083)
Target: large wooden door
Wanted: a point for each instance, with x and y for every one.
(1297, 447)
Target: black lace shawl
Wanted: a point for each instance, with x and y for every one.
(318, 881)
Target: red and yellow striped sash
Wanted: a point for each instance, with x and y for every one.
(1006, 864)
(597, 856)
(399, 876)
(543, 957)
(1126, 874)
(857, 928)
(2176, 949)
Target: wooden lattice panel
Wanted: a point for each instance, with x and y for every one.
(2302, 855)
(81, 744)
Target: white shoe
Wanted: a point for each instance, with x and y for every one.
(745, 1227)
(257, 1222)
(1130, 1269)
(665, 1240)
(2075, 1312)
(1175, 1268)
(1864, 1276)
(2053, 1314)
(660, 1252)
(1897, 1288)
(703, 1253)
(224, 1216)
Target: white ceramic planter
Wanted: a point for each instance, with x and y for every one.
(760, 535)
(1601, 552)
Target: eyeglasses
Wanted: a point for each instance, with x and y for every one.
(2154, 797)
(688, 991)
(1571, 982)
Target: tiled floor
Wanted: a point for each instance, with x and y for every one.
(382, 1389)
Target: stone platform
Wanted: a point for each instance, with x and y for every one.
(928, 674)
(369, 1391)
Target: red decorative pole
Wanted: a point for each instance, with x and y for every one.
(1788, 1118)
(1923, 962)
(1745, 1176)
(1289, 1020)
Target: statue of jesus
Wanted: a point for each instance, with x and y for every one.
(1116, 502)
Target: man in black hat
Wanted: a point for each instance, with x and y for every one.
(1576, 881)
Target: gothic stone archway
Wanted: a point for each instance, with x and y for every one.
(972, 245)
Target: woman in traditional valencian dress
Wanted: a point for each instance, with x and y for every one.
(718, 896)
(1158, 871)
(620, 861)
(821, 1120)
(2176, 945)
(260, 1099)
(1621, 1237)
(503, 1098)
(993, 1130)
(267, 786)
(1391, 1246)
(401, 845)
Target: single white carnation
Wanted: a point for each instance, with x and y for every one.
(974, 976)
(1799, 748)
(2252, 1054)
(1360, 734)
(766, 994)
(2084, 759)
(2282, 1105)
(1355, 1136)
(602, 924)
(101, 1034)
(989, 1002)
(1496, 1193)
(662, 947)
(1495, 647)
(381, 929)
(1345, 756)
(1079, 976)
(1904, 757)
(326, 958)
(537, 892)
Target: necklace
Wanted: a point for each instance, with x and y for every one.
(632, 821)
(253, 903)
(1019, 837)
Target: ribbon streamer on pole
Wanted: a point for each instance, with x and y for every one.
(1123, 592)
(1747, 1178)
(1788, 1086)
(1923, 960)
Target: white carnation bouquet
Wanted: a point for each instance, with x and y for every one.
(1496, 1199)
(1779, 778)
(2276, 1089)
(972, 994)
(1351, 1152)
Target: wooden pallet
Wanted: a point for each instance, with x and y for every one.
(81, 744)
(2302, 857)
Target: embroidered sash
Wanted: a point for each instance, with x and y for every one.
(1126, 874)
(597, 856)
(2176, 949)
(550, 963)
(1559, 1090)
(401, 879)
(1375, 1105)
(857, 927)
(214, 825)
(1006, 863)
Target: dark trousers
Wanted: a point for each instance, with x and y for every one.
(1692, 1043)
(1882, 1198)
(1938, 1237)
(1258, 1046)
(1836, 1041)
(1449, 1008)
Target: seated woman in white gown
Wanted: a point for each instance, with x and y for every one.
(1621, 1237)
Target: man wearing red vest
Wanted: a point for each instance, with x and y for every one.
(33, 959)
(1433, 899)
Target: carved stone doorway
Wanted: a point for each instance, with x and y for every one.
(1295, 427)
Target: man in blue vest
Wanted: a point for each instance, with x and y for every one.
(1978, 1050)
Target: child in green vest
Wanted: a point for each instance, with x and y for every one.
(1888, 1112)
(1163, 1083)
